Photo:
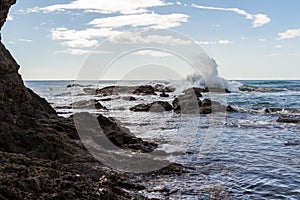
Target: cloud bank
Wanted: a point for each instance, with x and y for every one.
(105, 6)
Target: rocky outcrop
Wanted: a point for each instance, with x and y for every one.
(157, 106)
(41, 154)
(191, 104)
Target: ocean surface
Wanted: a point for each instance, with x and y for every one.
(242, 155)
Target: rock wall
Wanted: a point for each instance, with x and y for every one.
(16, 101)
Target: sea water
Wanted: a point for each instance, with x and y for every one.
(251, 157)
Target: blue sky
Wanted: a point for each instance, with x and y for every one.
(249, 39)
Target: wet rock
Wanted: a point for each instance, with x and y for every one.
(74, 85)
(157, 106)
(40, 154)
(129, 98)
(185, 104)
(106, 99)
(163, 94)
(162, 88)
(119, 135)
(289, 120)
(88, 104)
(218, 90)
(144, 90)
(193, 92)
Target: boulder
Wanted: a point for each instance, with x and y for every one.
(163, 94)
(88, 104)
(144, 90)
(129, 98)
(162, 88)
(157, 106)
(194, 91)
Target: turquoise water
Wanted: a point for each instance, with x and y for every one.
(252, 157)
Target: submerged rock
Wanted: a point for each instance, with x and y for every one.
(88, 104)
(163, 94)
(289, 120)
(157, 106)
(129, 98)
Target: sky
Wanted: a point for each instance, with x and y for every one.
(248, 39)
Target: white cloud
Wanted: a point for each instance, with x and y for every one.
(80, 43)
(154, 21)
(82, 52)
(289, 34)
(9, 18)
(138, 38)
(25, 40)
(222, 42)
(81, 38)
(258, 19)
(105, 6)
(152, 53)
(277, 46)
(178, 3)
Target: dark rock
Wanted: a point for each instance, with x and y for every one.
(162, 88)
(289, 120)
(116, 133)
(144, 90)
(194, 91)
(129, 98)
(40, 154)
(157, 106)
(186, 104)
(206, 102)
(90, 91)
(74, 85)
(106, 99)
(88, 104)
(163, 94)
(218, 90)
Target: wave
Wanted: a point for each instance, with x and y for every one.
(252, 88)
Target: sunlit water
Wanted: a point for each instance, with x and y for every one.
(251, 156)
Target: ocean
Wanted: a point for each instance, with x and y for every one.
(238, 155)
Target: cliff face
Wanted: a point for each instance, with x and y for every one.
(16, 101)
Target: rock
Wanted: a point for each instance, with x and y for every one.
(41, 156)
(157, 106)
(187, 105)
(74, 85)
(89, 91)
(194, 91)
(88, 104)
(289, 120)
(129, 98)
(144, 90)
(162, 88)
(106, 99)
(119, 135)
(163, 94)
(218, 90)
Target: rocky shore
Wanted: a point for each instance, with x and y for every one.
(41, 156)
